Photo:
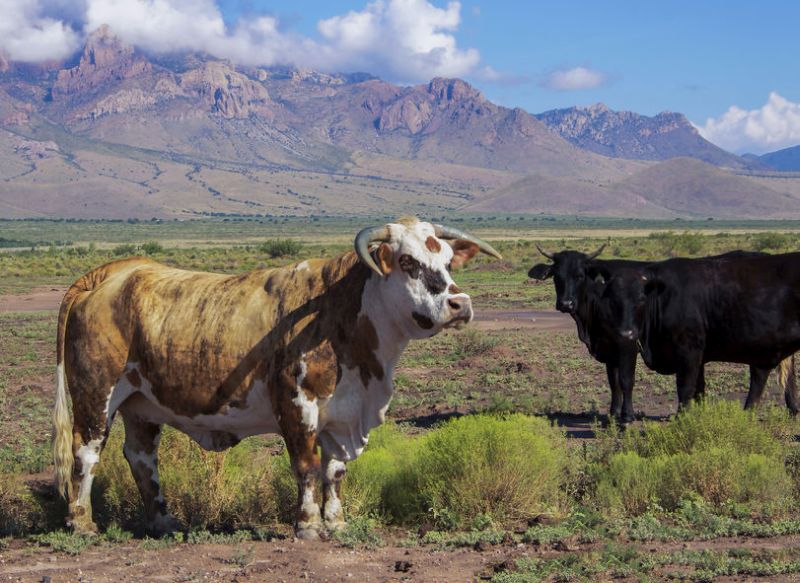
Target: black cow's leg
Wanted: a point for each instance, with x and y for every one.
(686, 381)
(700, 387)
(612, 370)
(758, 379)
(141, 451)
(627, 377)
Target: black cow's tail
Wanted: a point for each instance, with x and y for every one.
(788, 382)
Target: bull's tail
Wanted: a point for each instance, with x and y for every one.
(788, 382)
(63, 458)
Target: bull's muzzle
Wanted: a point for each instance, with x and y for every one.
(460, 307)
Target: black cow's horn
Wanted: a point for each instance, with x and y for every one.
(363, 240)
(543, 252)
(450, 233)
(596, 253)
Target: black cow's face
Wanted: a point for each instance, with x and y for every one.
(568, 271)
(621, 297)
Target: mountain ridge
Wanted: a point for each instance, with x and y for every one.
(116, 132)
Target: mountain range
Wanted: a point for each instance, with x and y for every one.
(117, 133)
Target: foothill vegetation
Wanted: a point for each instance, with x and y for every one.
(478, 449)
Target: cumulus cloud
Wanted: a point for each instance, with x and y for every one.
(575, 79)
(29, 33)
(403, 40)
(774, 126)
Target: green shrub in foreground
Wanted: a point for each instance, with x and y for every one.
(714, 451)
(505, 468)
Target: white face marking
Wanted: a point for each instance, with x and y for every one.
(403, 295)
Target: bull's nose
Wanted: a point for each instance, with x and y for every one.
(566, 306)
(628, 334)
(460, 307)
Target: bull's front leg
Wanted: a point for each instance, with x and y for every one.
(333, 472)
(298, 417)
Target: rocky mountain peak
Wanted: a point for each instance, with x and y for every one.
(452, 90)
(104, 57)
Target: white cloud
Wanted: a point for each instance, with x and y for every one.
(774, 126)
(575, 79)
(402, 40)
(29, 34)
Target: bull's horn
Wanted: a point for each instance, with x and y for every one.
(363, 240)
(596, 253)
(545, 253)
(450, 233)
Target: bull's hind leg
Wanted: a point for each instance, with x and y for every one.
(140, 449)
(87, 443)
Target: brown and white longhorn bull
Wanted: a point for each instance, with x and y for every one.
(306, 351)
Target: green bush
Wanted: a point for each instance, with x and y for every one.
(151, 248)
(505, 468)
(124, 250)
(715, 451)
(281, 247)
(771, 240)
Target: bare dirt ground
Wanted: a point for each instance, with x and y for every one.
(40, 299)
(289, 559)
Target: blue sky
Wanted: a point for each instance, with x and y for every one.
(731, 67)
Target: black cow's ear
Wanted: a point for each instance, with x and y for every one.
(541, 271)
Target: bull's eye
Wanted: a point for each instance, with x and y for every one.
(410, 265)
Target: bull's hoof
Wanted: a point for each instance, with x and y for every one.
(307, 533)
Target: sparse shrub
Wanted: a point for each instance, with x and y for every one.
(151, 248)
(124, 250)
(504, 468)
(716, 452)
(280, 247)
(202, 489)
(20, 512)
(472, 342)
(771, 240)
(361, 531)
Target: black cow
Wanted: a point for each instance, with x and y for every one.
(739, 307)
(579, 294)
(606, 303)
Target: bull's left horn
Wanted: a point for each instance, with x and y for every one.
(450, 233)
(363, 240)
(596, 253)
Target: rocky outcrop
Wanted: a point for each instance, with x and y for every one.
(624, 134)
(227, 92)
(104, 59)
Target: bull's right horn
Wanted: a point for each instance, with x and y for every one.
(596, 253)
(362, 243)
(543, 252)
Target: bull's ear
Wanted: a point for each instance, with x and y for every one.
(385, 256)
(463, 251)
(541, 271)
